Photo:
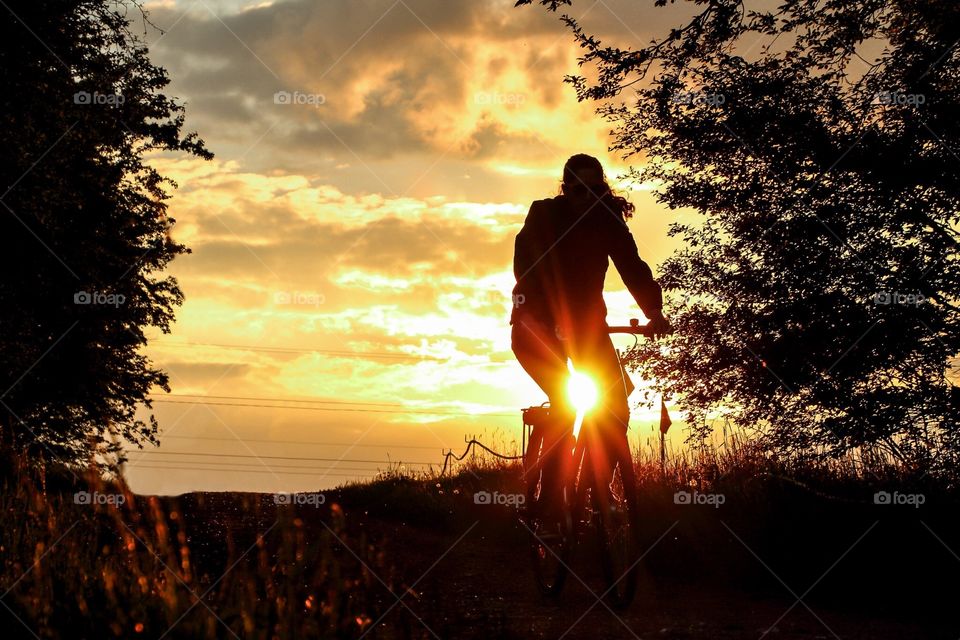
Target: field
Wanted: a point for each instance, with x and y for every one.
(770, 551)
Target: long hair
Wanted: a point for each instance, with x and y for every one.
(615, 203)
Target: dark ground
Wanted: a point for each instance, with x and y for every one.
(789, 565)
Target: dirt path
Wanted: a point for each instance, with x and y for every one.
(464, 571)
(475, 582)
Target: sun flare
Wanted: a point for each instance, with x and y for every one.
(581, 390)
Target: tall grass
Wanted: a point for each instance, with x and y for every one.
(131, 568)
(732, 461)
(226, 565)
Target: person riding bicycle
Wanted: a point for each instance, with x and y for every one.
(560, 262)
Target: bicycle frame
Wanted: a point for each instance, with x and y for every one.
(534, 415)
(590, 494)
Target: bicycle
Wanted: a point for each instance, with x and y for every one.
(611, 512)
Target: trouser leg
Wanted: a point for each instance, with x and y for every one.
(595, 355)
(542, 356)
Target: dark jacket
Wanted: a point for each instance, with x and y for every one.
(560, 261)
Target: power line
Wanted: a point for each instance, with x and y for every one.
(289, 473)
(366, 403)
(309, 442)
(401, 411)
(267, 399)
(334, 352)
(290, 466)
(247, 455)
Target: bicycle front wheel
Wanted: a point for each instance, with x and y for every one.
(617, 521)
(551, 535)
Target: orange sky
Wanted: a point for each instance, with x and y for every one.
(352, 243)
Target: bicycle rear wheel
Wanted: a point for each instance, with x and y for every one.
(551, 529)
(618, 535)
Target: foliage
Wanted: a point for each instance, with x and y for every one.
(119, 565)
(815, 296)
(84, 234)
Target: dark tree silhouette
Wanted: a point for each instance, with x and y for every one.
(84, 233)
(816, 293)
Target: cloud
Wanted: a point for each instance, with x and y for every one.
(282, 257)
(357, 247)
(394, 78)
(248, 227)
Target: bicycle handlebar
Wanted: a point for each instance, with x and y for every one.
(635, 328)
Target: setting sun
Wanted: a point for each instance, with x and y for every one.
(581, 389)
(420, 318)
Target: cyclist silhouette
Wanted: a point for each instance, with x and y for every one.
(560, 261)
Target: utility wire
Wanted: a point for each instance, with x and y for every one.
(336, 352)
(400, 411)
(333, 352)
(247, 455)
(268, 399)
(289, 473)
(288, 466)
(446, 462)
(309, 442)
